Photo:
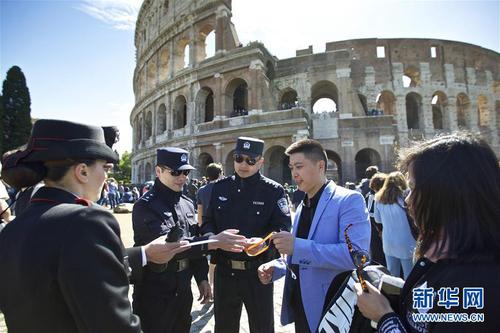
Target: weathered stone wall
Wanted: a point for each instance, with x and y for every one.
(387, 92)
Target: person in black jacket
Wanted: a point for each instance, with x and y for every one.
(64, 268)
(256, 206)
(163, 298)
(454, 200)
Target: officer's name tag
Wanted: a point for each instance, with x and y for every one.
(222, 198)
(258, 203)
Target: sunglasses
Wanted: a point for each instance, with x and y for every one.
(250, 161)
(176, 173)
(262, 246)
(359, 257)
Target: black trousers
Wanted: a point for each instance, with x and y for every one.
(234, 288)
(163, 302)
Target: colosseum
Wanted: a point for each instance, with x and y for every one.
(383, 93)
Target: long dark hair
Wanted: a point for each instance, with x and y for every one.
(455, 198)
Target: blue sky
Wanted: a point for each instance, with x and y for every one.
(79, 56)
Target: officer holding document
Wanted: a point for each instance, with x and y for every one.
(256, 206)
(163, 297)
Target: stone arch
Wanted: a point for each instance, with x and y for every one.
(413, 74)
(180, 54)
(203, 161)
(413, 110)
(439, 103)
(180, 112)
(151, 74)
(148, 125)
(142, 174)
(229, 163)
(483, 111)
(276, 165)
(463, 108)
(364, 158)
(386, 102)
(161, 122)
(163, 67)
(204, 105)
(237, 97)
(148, 172)
(206, 34)
(364, 103)
(138, 130)
(288, 99)
(334, 166)
(325, 89)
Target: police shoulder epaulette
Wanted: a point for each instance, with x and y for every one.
(83, 202)
(271, 182)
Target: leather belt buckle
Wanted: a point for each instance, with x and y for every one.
(239, 265)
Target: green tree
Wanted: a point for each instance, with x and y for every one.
(16, 115)
(122, 172)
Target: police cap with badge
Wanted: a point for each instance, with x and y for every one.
(249, 146)
(54, 140)
(176, 159)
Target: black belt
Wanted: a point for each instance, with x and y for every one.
(240, 265)
(172, 266)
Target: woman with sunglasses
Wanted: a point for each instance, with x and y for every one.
(454, 200)
(163, 297)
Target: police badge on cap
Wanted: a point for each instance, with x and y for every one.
(249, 146)
(174, 158)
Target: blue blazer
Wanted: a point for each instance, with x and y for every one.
(324, 253)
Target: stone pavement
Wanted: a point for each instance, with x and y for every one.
(203, 315)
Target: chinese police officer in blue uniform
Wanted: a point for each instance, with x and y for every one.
(163, 297)
(256, 206)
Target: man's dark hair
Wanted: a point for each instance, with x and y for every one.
(57, 169)
(213, 171)
(312, 150)
(370, 171)
(455, 186)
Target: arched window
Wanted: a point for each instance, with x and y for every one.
(288, 100)
(463, 107)
(365, 158)
(237, 98)
(161, 123)
(324, 97)
(149, 125)
(180, 112)
(413, 110)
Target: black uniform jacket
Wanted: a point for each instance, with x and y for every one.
(159, 210)
(255, 206)
(62, 268)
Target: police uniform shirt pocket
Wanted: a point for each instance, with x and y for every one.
(259, 209)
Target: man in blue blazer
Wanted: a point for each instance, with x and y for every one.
(316, 249)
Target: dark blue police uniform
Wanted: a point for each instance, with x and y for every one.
(256, 206)
(163, 297)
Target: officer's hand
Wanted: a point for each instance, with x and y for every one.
(205, 292)
(160, 252)
(372, 304)
(284, 241)
(265, 273)
(228, 240)
(252, 241)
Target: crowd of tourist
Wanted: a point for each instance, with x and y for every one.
(434, 223)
